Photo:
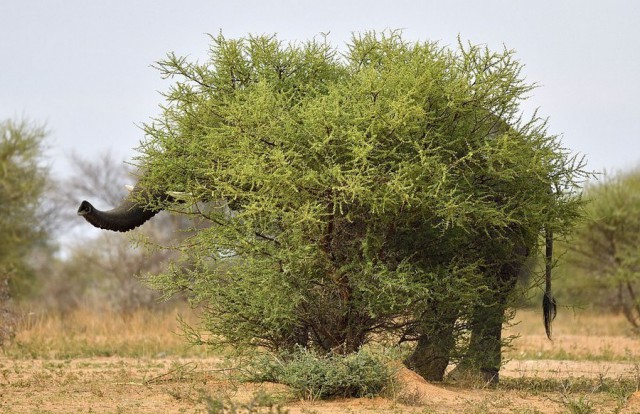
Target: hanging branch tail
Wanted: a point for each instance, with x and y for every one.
(548, 301)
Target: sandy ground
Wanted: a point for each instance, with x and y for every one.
(128, 385)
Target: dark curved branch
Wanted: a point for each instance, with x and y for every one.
(131, 213)
(548, 301)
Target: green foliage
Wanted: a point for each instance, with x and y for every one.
(312, 376)
(606, 246)
(352, 194)
(22, 183)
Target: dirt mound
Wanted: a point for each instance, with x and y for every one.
(633, 404)
(411, 391)
(415, 389)
(412, 383)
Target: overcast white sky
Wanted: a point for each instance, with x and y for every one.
(83, 67)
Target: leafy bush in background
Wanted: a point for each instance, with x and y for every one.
(23, 181)
(23, 221)
(603, 264)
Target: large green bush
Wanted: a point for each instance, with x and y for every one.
(382, 190)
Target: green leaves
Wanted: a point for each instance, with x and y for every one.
(607, 245)
(346, 191)
(23, 179)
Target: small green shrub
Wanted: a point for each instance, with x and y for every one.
(314, 376)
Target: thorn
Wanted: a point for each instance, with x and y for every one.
(179, 195)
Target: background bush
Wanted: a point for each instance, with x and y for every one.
(602, 268)
(23, 219)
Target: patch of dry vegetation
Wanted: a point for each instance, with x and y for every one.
(578, 335)
(90, 332)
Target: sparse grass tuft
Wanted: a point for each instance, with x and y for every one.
(579, 405)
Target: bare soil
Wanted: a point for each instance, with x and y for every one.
(172, 385)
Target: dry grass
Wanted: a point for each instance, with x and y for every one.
(578, 335)
(87, 333)
(573, 321)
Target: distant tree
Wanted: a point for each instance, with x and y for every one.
(606, 246)
(390, 190)
(23, 179)
(103, 271)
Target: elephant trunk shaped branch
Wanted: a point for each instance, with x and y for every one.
(131, 213)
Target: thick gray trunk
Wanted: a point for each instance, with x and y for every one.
(127, 216)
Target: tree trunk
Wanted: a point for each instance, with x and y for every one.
(431, 355)
(483, 359)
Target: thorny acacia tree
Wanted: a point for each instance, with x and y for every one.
(383, 190)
